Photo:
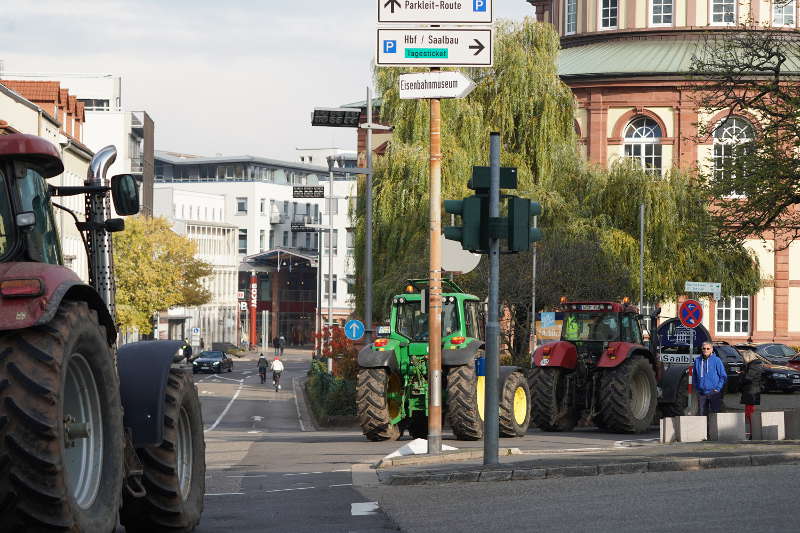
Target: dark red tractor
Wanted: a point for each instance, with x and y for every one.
(601, 370)
(88, 433)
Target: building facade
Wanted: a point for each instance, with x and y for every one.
(627, 62)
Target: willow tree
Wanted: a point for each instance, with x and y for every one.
(590, 221)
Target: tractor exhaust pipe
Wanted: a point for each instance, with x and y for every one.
(98, 211)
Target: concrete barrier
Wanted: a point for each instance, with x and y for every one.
(669, 433)
(692, 428)
(768, 425)
(792, 424)
(726, 427)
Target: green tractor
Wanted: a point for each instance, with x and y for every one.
(392, 390)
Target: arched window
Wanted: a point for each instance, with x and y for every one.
(731, 137)
(643, 143)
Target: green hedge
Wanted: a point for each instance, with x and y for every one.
(329, 395)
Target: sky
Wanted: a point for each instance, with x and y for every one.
(233, 78)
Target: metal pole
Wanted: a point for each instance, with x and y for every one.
(641, 256)
(435, 284)
(330, 260)
(368, 223)
(318, 317)
(533, 291)
(492, 410)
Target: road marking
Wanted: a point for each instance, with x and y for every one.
(342, 485)
(341, 470)
(229, 379)
(286, 490)
(302, 474)
(253, 432)
(250, 475)
(226, 494)
(227, 408)
(296, 405)
(364, 508)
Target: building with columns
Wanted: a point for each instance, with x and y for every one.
(627, 62)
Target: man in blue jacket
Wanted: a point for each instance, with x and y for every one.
(709, 378)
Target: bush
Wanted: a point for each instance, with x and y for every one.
(329, 395)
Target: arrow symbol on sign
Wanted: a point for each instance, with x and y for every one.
(391, 5)
(477, 46)
(353, 329)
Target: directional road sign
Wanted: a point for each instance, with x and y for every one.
(308, 191)
(691, 313)
(443, 84)
(426, 47)
(435, 11)
(704, 286)
(354, 329)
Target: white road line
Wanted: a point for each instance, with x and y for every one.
(341, 470)
(229, 379)
(296, 405)
(226, 494)
(364, 508)
(302, 473)
(250, 475)
(342, 485)
(286, 490)
(227, 408)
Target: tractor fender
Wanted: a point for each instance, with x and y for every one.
(619, 352)
(461, 356)
(561, 354)
(58, 283)
(143, 371)
(369, 357)
(670, 381)
(506, 371)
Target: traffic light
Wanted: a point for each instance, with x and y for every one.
(520, 232)
(470, 210)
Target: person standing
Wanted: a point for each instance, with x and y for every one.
(710, 378)
(750, 387)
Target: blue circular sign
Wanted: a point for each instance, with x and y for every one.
(354, 329)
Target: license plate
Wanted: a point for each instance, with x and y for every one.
(796, 380)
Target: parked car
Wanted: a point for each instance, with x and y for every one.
(733, 362)
(794, 362)
(212, 361)
(776, 375)
(774, 352)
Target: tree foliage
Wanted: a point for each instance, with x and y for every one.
(155, 269)
(590, 220)
(754, 72)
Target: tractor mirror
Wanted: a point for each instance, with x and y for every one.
(125, 194)
(26, 219)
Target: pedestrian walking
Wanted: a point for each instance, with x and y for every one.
(281, 345)
(276, 344)
(263, 364)
(750, 388)
(710, 376)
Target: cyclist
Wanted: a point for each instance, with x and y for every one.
(277, 368)
(263, 364)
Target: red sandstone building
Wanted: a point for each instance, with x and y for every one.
(627, 63)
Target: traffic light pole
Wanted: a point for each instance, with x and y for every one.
(492, 410)
(435, 283)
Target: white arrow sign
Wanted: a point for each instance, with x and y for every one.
(435, 11)
(446, 84)
(426, 47)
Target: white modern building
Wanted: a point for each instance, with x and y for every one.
(259, 202)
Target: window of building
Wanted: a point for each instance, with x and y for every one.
(241, 205)
(570, 16)
(723, 12)
(731, 138)
(662, 12)
(783, 13)
(643, 143)
(286, 207)
(271, 239)
(262, 237)
(608, 14)
(308, 241)
(733, 315)
(286, 238)
(351, 242)
(263, 206)
(335, 242)
(243, 241)
(294, 239)
(325, 285)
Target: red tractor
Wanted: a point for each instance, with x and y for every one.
(88, 433)
(600, 370)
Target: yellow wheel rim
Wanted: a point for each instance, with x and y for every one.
(394, 395)
(480, 394)
(520, 405)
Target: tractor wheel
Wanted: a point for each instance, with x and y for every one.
(628, 397)
(548, 388)
(378, 401)
(465, 397)
(61, 434)
(173, 473)
(681, 405)
(515, 407)
(418, 426)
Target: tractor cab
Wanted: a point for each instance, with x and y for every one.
(591, 326)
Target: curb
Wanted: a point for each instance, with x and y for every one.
(642, 467)
(445, 457)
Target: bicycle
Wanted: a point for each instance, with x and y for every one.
(276, 381)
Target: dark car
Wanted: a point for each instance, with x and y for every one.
(212, 361)
(774, 352)
(794, 362)
(776, 375)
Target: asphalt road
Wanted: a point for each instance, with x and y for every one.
(748, 499)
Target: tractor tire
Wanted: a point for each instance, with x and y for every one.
(627, 397)
(465, 402)
(515, 406)
(61, 433)
(548, 387)
(173, 473)
(375, 405)
(681, 405)
(418, 426)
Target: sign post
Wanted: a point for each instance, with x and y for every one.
(691, 316)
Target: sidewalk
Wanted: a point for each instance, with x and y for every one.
(467, 466)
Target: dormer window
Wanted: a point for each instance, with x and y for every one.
(609, 11)
(570, 16)
(783, 13)
(723, 12)
(662, 11)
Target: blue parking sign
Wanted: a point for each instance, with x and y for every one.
(390, 47)
(479, 5)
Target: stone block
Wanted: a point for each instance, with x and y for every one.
(727, 427)
(495, 475)
(769, 425)
(669, 433)
(792, 424)
(622, 468)
(692, 428)
(529, 473)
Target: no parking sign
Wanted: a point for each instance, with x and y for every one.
(691, 313)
